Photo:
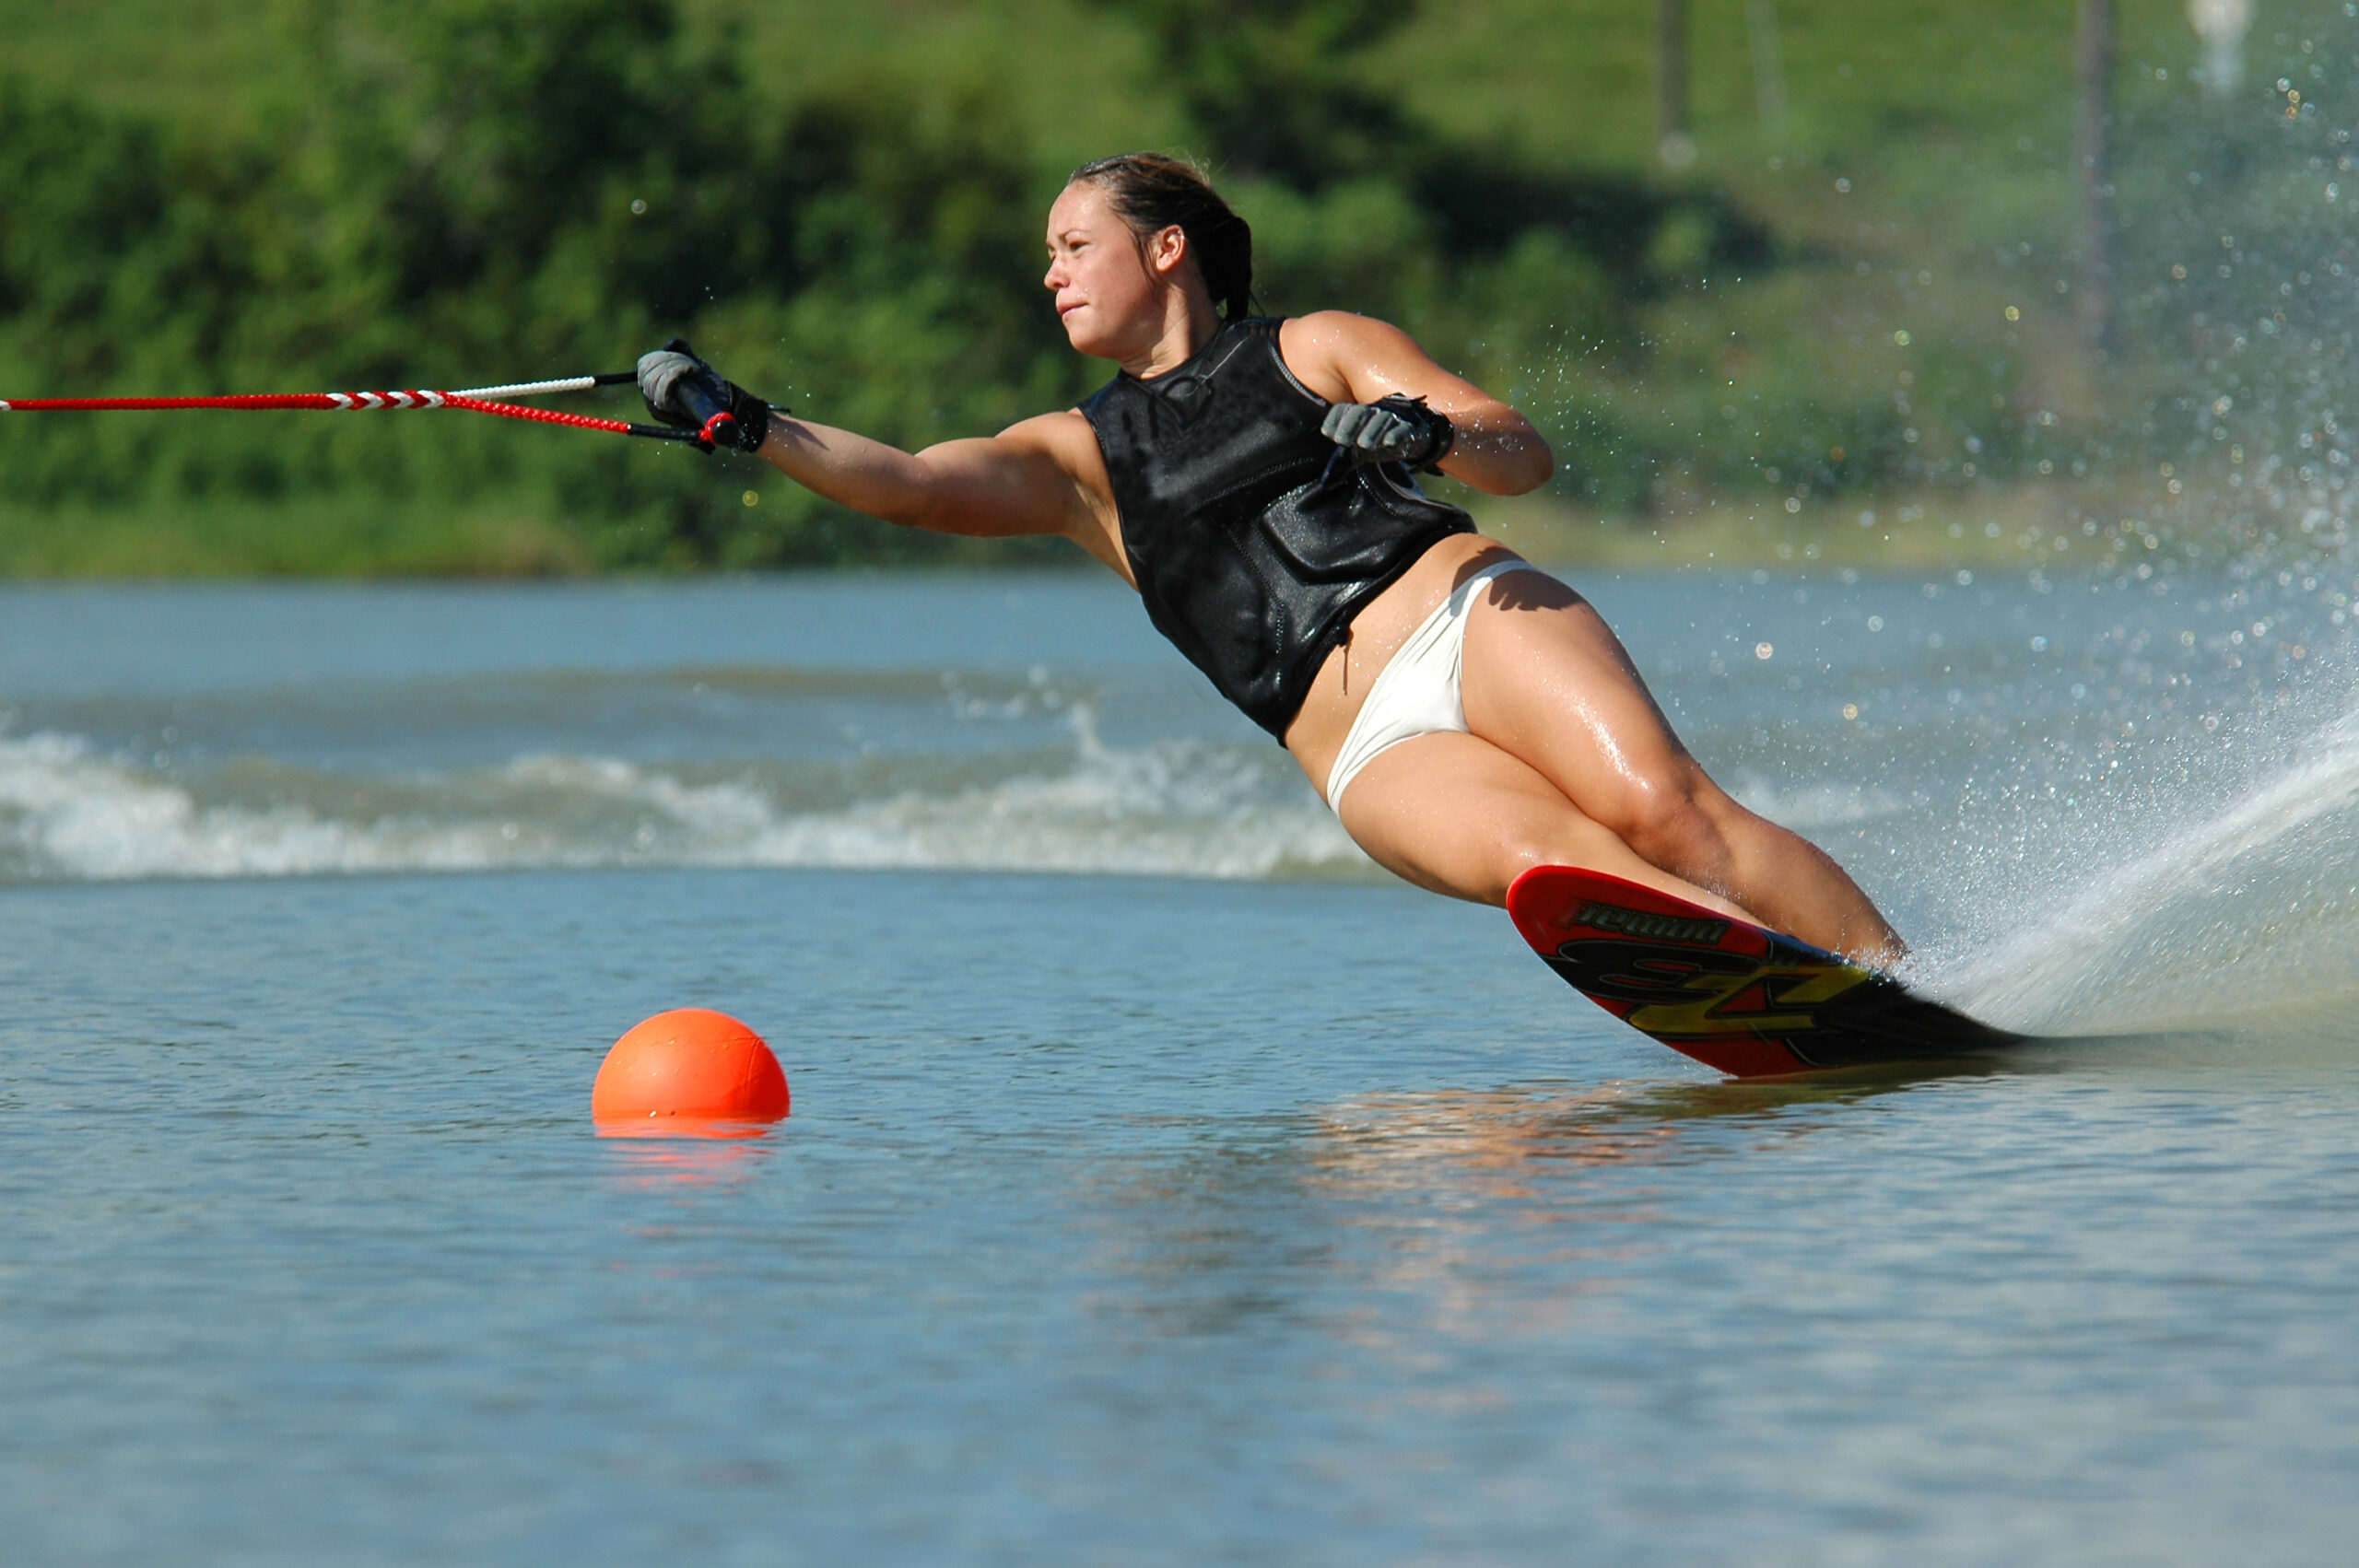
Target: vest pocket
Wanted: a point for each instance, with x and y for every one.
(1349, 533)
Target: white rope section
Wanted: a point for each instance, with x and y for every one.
(531, 389)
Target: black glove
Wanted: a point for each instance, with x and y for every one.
(682, 390)
(1392, 429)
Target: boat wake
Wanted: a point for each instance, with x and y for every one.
(69, 811)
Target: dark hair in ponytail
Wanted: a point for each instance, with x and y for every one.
(1150, 192)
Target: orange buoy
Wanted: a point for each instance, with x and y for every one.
(691, 1063)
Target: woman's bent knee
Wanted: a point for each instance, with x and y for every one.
(1670, 826)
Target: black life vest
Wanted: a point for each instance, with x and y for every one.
(1254, 542)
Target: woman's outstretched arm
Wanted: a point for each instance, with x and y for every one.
(1031, 478)
(1016, 482)
(1348, 358)
(1043, 475)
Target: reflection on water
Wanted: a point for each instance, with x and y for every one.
(1619, 1124)
(1438, 1191)
(684, 1153)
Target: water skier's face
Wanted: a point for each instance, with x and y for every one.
(1109, 286)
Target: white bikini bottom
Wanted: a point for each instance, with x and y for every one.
(1419, 694)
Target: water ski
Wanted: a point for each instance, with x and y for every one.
(1733, 996)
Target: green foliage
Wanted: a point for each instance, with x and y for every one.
(497, 189)
(1270, 84)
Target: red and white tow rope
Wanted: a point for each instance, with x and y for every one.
(474, 400)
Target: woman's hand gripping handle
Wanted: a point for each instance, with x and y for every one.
(1392, 429)
(683, 390)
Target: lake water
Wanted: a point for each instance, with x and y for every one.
(1163, 1184)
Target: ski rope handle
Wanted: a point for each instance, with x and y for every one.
(473, 400)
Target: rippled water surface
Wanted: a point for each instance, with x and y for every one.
(1163, 1184)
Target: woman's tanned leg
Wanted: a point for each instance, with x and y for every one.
(1547, 682)
(1455, 814)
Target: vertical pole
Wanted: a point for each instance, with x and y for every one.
(2093, 311)
(1768, 72)
(1676, 146)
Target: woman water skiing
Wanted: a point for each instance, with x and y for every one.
(1466, 716)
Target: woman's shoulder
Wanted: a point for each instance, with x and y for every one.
(1326, 349)
(1065, 432)
(1340, 331)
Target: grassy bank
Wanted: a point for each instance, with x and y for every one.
(2012, 527)
(2023, 526)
